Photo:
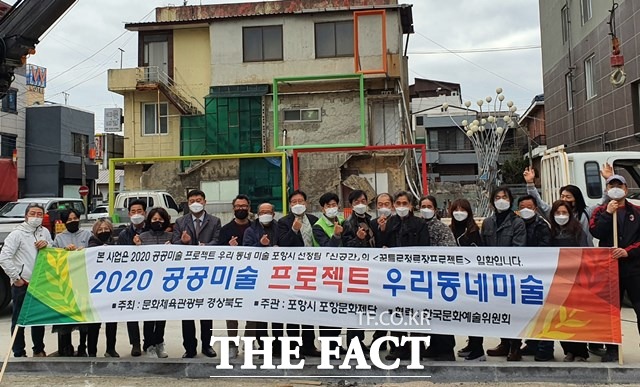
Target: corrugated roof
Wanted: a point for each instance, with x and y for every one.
(189, 15)
(103, 176)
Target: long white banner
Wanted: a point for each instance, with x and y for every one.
(507, 292)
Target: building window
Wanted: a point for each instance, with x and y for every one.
(10, 101)
(262, 43)
(590, 77)
(155, 118)
(296, 115)
(565, 24)
(420, 121)
(7, 145)
(79, 143)
(635, 102)
(568, 81)
(334, 39)
(586, 10)
(593, 180)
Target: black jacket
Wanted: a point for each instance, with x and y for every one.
(601, 227)
(126, 236)
(255, 232)
(511, 232)
(286, 236)
(350, 231)
(538, 232)
(407, 231)
(465, 238)
(95, 242)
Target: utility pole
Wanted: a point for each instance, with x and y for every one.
(83, 157)
(66, 97)
(121, 52)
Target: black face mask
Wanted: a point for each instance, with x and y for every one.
(104, 236)
(241, 214)
(73, 226)
(157, 226)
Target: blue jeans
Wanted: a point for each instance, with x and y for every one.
(37, 333)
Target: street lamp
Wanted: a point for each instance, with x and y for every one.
(487, 133)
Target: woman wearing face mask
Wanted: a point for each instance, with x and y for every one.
(102, 236)
(570, 194)
(158, 220)
(466, 233)
(566, 232)
(439, 233)
(504, 229)
(73, 238)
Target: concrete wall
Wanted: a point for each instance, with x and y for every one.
(607, 120)
(138, 145)
(192, 62)
(298, 48)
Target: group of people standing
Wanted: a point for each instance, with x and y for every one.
(401, 221)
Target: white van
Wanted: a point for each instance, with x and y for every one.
(152, 198)
(558, 168)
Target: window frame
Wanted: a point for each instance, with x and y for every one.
(592, 179)
(565, 22)
(10, 138)
(589, 78)
(335, 39)
(568, 84)
(262, 41)
(84, 138)
(157, 110)
(7, 106)
(301, 115)
(586, 5)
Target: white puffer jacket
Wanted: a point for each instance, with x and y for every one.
(18, 255)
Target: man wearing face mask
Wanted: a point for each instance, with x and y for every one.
(628, 251)
(263, 232)
(17, 259)
(504, 229)
(384, 207)
(232, 234)
(296, 230)
(197, 228)
(406, 230)
(137, 215)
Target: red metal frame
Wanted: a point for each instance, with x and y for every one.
(371, 148)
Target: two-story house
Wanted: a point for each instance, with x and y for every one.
(264, 77)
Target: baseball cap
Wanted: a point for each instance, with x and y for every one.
(621, 179)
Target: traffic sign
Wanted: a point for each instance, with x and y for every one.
(83, 190)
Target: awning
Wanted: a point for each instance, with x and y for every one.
(9, 178)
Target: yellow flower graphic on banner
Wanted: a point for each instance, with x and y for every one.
(59, 288)
(564, 326)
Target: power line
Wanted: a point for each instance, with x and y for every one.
(476, 50)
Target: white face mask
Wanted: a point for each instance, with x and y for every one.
(561, 219)
(34, 222)
(502, 205)
(615, 193)
(360, 209)
(196, 207)
(427, 213)
(384, 211)
(527, 213)
(137, 219)
(265, 218)
(331, 212)
(298, 209)
(460, 216)
(402, 211)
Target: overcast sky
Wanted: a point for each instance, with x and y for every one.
(78, 51)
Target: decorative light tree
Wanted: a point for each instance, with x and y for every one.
(487, 133)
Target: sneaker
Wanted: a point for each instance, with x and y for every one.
(610, 357)
(476, 355)
(161, 352)
(233, 352)
(136, 350)
(151, 352)
(466, 351)
(111, 353)
(38, 354)
(568, 358)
